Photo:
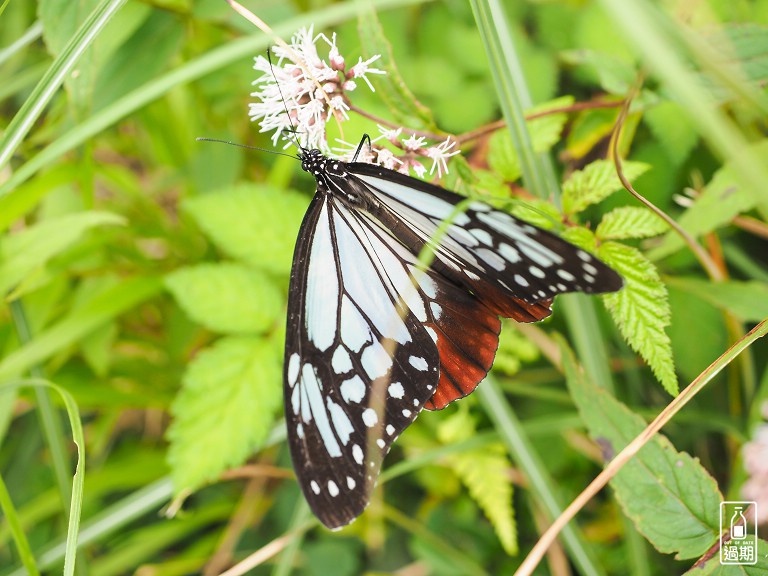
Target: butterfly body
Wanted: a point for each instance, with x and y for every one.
(374, 336)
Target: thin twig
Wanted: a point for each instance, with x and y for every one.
(702, 256)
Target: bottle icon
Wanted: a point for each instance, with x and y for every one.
(738, 525)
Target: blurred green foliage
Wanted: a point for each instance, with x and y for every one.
(146, 274)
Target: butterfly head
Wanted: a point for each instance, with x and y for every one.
(318, 164)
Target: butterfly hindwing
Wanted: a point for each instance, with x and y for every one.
(502, 259)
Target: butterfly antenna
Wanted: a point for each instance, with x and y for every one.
(293, 130)
(202, 139)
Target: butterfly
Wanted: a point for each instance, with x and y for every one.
(374, 335)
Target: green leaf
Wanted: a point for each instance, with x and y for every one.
(538, 212)
(712, 566)
(28, 251)
(227, 297)
(254, 223)
(595, 183)
(747, 300)
(484, 473)
(581, 237)
(615, 74)
(668, 495)
(630, 222)
(404, 106)
(544, 132)
(514, 348)
(670, 125)
(721, 201)
(227, 405)
(641, 309)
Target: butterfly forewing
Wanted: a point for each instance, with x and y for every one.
(360, 362)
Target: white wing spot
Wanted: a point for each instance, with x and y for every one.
(380, 443)
(480, 207)
(562, 287)
(353, 390)
(406, 413)
(390, 429)
(589, 269)
(293, 369)
(333, 490)
(415, 401)
(432, 333)
(429, 386)
(418, 362)
(521, 281)
(565, 275)
(437, 310)
(341, 361)
(357, 453)
(396, 390)
(541, 293)
(589, 278)
(376, 360)
(584, 256)
(315, 487)
(509, 253)
(491, 258)
(471, 275)
(538, 272)
(351, 483)
(340, 421)
(482, 235)
(322, 288)
(369, 417)
(300, 430)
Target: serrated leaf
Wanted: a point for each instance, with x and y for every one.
(721, 201)
(747, 300)
(226, 407)
(595, 183)
(588, 129)
(630, 222)
(641, 309)
(227, 297)
(713, 567)
(254, 223)
(28, 251)
(544, 132)
(581, 237)
(668, 495)
(537, 212)
(672, 128)
(403, 105)
(502, 156)
(484, 473)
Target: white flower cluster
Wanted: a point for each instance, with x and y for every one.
(413, 146)
(301, 92)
